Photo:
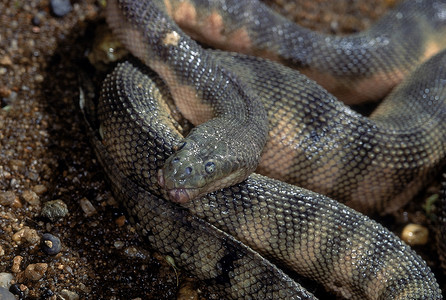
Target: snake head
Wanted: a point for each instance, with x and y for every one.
(195, 170)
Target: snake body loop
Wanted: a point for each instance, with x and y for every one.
(374, 165)
(240, 103)
(346, 252)
(355, 68)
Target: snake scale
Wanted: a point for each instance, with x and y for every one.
(402, 144)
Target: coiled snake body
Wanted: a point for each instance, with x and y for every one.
(311, 139)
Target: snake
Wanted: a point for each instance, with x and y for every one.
(285, 133)
(403, 143)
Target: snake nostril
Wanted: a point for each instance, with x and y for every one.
(188, 170)
(181, 146)
(175, 160)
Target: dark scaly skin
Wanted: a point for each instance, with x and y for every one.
(441, 225)
(346, 252)
(344, 285)
(375, 164)
(236, 128)
(195, 245)
(355, 68)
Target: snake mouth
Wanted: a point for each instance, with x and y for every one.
(180, 195)
(177, 195)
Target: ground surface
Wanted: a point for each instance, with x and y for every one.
(44, 156)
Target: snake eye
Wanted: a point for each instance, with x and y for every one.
(209, 167)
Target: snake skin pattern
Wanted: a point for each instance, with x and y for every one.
(192, 74)
(344, 155)
(441, 225)
(233, 270)
(373, 165)
(355, 68)
(319, 238)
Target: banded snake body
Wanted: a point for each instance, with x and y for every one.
(319, 238)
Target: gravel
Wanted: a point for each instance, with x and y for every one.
(60, 7)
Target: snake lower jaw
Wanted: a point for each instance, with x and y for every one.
(180, 195)
(177, 195)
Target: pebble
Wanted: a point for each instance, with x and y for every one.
(40, 189)
(136, 253)
(39, 78)
(118, 244)
(46, 293)
(7, 198)
(11, 97)
(31, 197)
(54, 209)
(4, 92)
(5, 280)
(50, 244)
(26, 234)
(120, 221)
(415, 234)
(87, 207)
(35, 272)
(16, 261)
(5, 294)
(37, 18)
(60, 7)
(69, 295)
(18, 165)
(17, 290)
(187, 291)
(6, 61)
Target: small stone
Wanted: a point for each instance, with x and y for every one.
(87, 207)
(18, 165)
(35, 29)
(106, 48)
(26, 234)
(5, 61)
(16, 261)
(187, 291)
(39, 78)
(5, 294)
(118, 244)
(46, 293)
(69, 295)
(31, 197)
(54, 209)
(10, 99)
(5, 92)
(133, 252)
(16, 289)
(5, 280)
(7, 198)
(415, 234)
(2, 251)
(40, 189)
(36, 20)
(35, 272)
(120, 221)
(60, 7)
(50, 244)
